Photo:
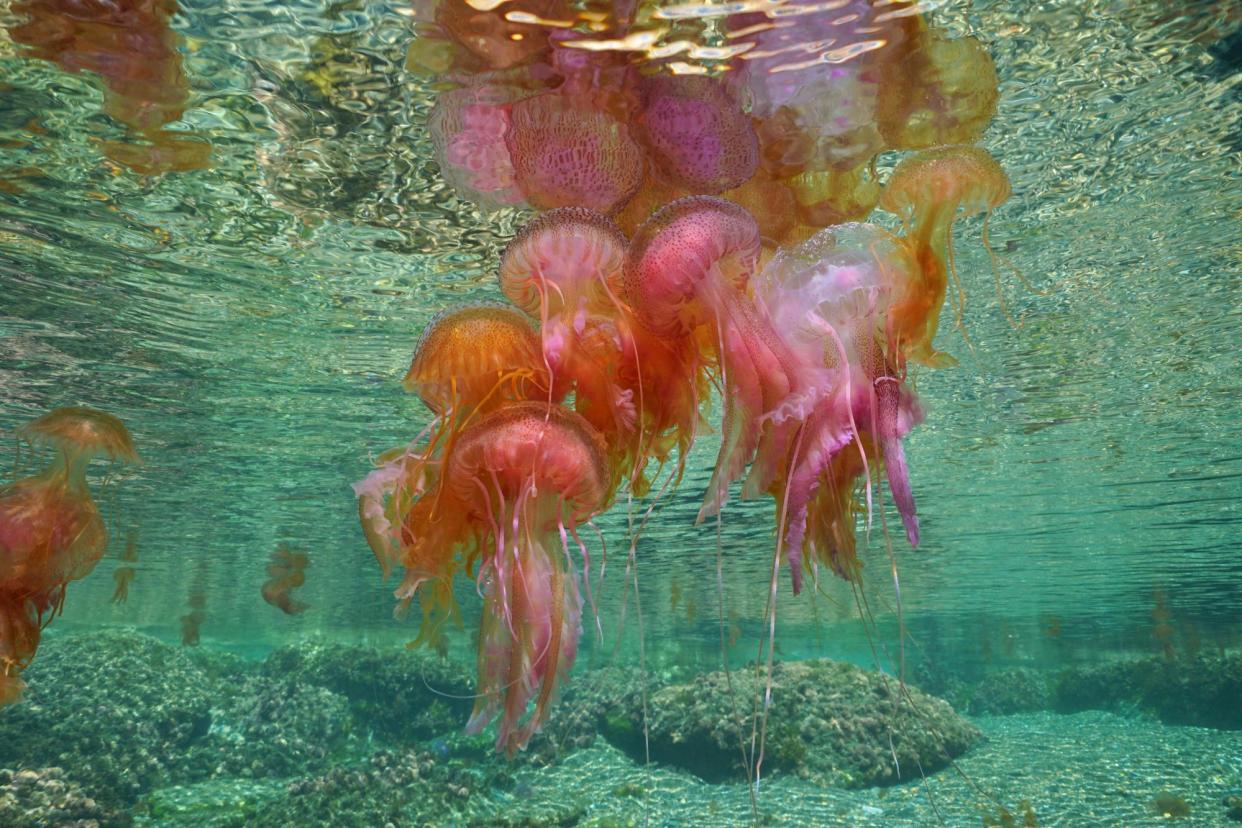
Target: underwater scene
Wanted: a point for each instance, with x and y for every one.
(645, 413)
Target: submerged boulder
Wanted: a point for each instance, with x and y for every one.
(1009, 691)
(830, 722)
(36, 798)
(400, 695)
(1200, 691)
(117, 710)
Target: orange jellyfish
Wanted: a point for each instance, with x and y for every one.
(941, 91)
(564, 268)
(132, 46)
(51, 532)
(527, 475)
(929, 191)
(286, 572)
(687, 274)
(469, 361)
(124, 575)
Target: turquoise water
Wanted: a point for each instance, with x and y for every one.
(1078, 476)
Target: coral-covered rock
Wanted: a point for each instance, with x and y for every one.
(1201, 691)
(44, 798)
(116, 710)
(830, 722)
(400, 694)
(1009, 691)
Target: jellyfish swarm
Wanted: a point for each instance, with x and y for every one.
(929, 191)
(564, 268)
(132, 46)
(286, 572)
(51, 532)
(687, 274)
(832, 297)
(527, 476)
(469, 361)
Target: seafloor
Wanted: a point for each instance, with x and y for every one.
(121, 729)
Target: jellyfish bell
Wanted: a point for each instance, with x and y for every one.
(568, 153)
(82, 433)
(530, 475)
(697, 133)
(563, 261)
(928, 192)
(477, 357)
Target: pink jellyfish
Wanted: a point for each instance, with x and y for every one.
(527, 475)
(565, 268)
(697, 133)
(687, 275)
(832, 298)
(568, 153)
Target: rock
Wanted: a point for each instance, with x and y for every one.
(830, 722)
(117, 709)
(1200, 691)
(1009, 691)
(404, 788)
(401, 695)
(276, 728)
(44, 797)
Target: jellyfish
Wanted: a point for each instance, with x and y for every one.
(286, 572)
(51, 532)
(943, 91)
(558, 269)
(831, 297)
(469, 361)
(697, 133)
(468, 127)
(122, 576)
(929, 191)
(812, 70)
(21, 625)
(526, 477)
(569, 153)
(686, 275)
